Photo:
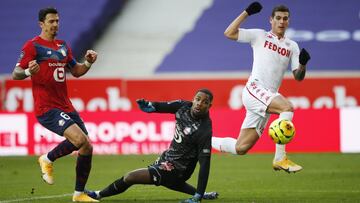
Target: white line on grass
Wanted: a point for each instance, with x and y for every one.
(35, 198)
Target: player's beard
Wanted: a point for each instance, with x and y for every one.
(54, 33)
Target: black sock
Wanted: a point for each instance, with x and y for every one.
(62, 149)
(83, 167)
(115, 188)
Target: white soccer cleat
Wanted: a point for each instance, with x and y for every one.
(46, 170)
(286, 165)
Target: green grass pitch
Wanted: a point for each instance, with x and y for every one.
(327, 177)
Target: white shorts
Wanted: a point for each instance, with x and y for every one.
(256, 100)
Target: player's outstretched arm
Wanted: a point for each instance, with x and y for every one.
(232, 31)
(82, 68)
(304, 57)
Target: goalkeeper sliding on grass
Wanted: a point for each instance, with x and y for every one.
(191, 144)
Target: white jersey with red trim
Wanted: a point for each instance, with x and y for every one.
(271, 56)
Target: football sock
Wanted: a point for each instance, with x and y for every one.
(183, 187)
(62, 149)
(280, 152)
(288, 115)
(83, 167)
(225, 144)
(280, 148)
(114, 188)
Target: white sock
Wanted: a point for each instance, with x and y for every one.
(280, 148)
(279, 152)
(77, 193)
(224, 144)
(45, 158)
(288, 115)
(98, 194)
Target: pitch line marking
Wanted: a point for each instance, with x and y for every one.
(35, 198)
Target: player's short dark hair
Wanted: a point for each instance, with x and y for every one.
(206, 91)
(43, 12)
(280, 8)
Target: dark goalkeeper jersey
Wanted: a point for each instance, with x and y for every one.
(192, 138)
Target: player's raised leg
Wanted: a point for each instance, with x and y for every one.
(46, 160)
(283, 107)
(246, 140)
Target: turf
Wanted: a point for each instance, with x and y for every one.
(325, 178)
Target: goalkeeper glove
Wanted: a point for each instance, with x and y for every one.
(145, 106)
(194, 199)
(304, 57)
(254, 7)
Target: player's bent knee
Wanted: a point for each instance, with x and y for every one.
(240, 150)
(87, 147)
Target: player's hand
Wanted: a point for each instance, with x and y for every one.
(33, 67)
(253, 8)
(91, 56)
(304, 57)
(145, 106)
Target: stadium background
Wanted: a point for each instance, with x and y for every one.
(165, 50)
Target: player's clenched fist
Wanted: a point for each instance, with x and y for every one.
(253, 8)
(33, 67)
(91, 56)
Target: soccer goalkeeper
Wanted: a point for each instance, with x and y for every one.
(191, 144)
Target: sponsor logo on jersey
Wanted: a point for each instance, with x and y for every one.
(280, 50)
(57, 64)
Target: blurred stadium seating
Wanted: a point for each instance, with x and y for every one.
(81, 23)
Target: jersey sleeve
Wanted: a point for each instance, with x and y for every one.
(204, 157)
(295, 57)
(249, 35)
(204, 141)
(169, 107)
(71, 62)
(28, 53)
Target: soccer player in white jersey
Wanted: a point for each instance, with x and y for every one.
(272, 52)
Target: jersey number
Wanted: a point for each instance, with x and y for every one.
(65, 116)
(177, 136)
(59, 75)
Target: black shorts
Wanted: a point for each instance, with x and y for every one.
(57, 121)
(164, 173)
